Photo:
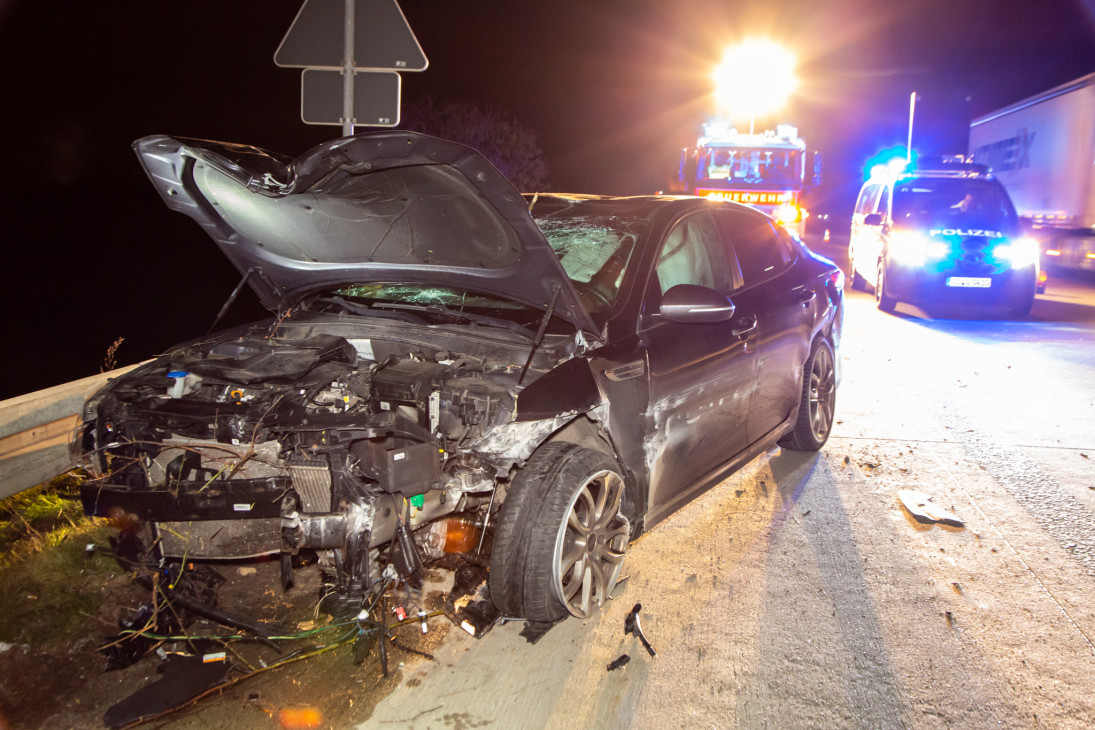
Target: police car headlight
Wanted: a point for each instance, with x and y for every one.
(915, 249)
(1019, 253)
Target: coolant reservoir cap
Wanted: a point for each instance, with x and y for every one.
(177, 374)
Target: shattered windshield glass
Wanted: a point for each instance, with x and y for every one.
(594, 251)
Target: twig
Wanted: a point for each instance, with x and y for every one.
(412, 719)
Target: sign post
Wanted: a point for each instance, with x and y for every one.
(377, 43)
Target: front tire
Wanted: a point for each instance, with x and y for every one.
(561, 536)
(817, 402)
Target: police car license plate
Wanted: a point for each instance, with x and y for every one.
(970, 282)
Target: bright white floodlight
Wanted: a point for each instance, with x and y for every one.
(755, 78)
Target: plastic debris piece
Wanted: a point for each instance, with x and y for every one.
(466, 582)
(619, 662)
(922, 508)
(480, 616)
(183, 678)
(632, 626)
(400, 613)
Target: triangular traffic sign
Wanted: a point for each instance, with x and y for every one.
(382, 38)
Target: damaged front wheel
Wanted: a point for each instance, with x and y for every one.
(561, 536)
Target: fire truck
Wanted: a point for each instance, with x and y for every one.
(767, 171)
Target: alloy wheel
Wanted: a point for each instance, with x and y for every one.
(590, 546)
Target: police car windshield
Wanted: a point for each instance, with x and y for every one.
(953, 203)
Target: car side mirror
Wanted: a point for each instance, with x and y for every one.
(874, 219)
(693, 304)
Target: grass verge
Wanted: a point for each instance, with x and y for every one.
(51, 587)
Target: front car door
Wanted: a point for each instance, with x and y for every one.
(701, 376)
(865, 243)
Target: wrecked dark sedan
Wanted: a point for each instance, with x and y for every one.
(454, 367)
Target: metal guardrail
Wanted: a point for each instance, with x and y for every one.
(36, 428)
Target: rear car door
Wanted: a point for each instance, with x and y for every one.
(779, 302)
(701, 375)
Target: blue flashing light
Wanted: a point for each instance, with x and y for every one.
(892, 159)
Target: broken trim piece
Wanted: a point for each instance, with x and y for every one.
(921, 507)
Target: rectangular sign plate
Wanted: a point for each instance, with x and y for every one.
(970, 282)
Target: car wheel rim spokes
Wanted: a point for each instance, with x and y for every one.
(822, 392)
(589, 550)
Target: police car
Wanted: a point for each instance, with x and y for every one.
(941, 232)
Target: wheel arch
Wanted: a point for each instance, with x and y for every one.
(588, 432)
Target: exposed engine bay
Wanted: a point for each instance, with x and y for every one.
(252, 445)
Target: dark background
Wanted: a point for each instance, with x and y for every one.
(612, 89)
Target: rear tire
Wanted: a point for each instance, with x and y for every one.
(561, 536)
(817, 401)
(884, 301)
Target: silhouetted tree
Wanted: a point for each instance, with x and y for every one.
(496, 134)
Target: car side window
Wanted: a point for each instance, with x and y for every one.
(883, 205)
(760, 251)
(867, 199)
(693, 253)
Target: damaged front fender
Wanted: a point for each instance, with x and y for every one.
(569, 389)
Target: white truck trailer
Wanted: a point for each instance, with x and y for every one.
(1043, 150)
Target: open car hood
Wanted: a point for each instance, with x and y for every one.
(392, 207)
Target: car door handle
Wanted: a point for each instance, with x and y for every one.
(745, 327)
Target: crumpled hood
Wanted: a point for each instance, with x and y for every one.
(393, 207)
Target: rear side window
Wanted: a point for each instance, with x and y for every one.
(761, 252)
(883, 205)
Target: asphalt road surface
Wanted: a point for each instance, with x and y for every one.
(799, 593)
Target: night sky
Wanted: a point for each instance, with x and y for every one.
(612, 90)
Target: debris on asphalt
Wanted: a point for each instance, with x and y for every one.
(632, 626)
(619, 662)
(924, 510)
